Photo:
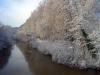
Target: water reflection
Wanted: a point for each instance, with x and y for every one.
(42, 65)
(4, 57)
(16, 65)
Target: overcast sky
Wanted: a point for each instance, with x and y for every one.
(15, 12)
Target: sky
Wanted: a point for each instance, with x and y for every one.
(16, 12)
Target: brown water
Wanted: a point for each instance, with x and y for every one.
(22, 60)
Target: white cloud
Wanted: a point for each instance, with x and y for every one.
(17, 11)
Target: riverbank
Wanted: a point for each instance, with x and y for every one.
(60, 52)
(43, 65)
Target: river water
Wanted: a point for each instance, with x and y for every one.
(23, 60)
(16, 64)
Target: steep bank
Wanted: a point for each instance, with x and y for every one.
(66, 29)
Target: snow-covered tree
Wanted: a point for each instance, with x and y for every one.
(65, 29)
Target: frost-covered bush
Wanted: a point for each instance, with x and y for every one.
(62, 52)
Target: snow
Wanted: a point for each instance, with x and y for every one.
(64, 52)
(76, 52)
(61, 52)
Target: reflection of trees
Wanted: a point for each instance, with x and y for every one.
(4, 56)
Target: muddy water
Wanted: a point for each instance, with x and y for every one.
(23, 60)
(42, 65)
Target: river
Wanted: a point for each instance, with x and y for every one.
(16, 64)
(22, 60)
